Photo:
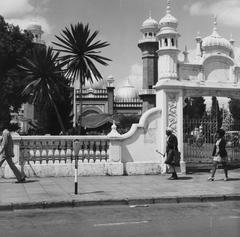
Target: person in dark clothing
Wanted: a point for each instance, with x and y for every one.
(219, 155)
(6, 152)
(171, 149)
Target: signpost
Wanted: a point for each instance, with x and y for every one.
(76, 148)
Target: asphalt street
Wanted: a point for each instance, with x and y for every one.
(187, 219)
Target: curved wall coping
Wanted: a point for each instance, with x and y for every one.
(141, 124)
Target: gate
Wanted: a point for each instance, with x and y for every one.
(199, 139)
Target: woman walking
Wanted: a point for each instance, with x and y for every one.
(219, 155)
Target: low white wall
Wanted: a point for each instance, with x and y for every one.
(138, 146)
(129, 154)
(64, 170)
(141, 142)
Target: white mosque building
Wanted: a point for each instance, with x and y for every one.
(213, 61)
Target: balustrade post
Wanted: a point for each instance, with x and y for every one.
(115, 145)
(16, 148)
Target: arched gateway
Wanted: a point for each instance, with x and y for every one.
(213, 71)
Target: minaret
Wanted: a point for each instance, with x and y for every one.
(199, 46)
(168, 46)
(37, 32)
(149, 46)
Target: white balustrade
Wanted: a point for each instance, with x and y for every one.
(58, 149)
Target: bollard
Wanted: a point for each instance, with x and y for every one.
(76, 148)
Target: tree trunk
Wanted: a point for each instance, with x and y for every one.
(58, 114)
(80, 110)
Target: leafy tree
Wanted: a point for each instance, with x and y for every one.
(234, 107)
(195, 108)
(80, 52)
(45, 79)
(216, 112)
(14, 45)
(125, 122)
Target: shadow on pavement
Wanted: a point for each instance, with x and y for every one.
(27, 181)
(233, 179)
(91, 192)
(184, 178)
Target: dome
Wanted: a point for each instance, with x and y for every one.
(96, 85)
(215, 40)
(127, 92)
(150, 23)
(168, 20)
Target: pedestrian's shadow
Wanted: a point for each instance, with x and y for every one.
(12, 182)
(184, 178)
(233, 179)
(28, 181)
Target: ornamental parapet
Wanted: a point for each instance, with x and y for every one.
(92, 93)
(147, 92)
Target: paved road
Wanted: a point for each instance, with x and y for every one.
(195, 219)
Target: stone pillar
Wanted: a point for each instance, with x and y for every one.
(170, 101)
(161, 103)
(149, 99)
(150, 62)
(115, 147)
(180, 106)
(16, 147)
(110, 92)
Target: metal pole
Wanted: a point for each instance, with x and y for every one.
(76, 147)
(76, 175)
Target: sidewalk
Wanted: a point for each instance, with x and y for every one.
(117, 190)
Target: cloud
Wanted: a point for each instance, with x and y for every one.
(23, 23)
(13, 8)
(227, 12)
(136, 76)
(25, 12)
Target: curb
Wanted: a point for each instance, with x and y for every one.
(105, 202)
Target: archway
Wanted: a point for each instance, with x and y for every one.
(214, 77)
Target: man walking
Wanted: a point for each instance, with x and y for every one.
(6, 152)
(171, 149)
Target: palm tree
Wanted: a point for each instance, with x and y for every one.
(44, 77)
(80, 52)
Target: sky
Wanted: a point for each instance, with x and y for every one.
(119, 23)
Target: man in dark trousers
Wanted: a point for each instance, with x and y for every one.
(171, 149)
(6, 152)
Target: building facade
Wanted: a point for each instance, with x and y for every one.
(211, 64)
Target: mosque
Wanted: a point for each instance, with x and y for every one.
(212, 61)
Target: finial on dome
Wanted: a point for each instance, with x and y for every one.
(168, 6)
(198, 35)
(215, 23)
(185, 53)
(150, 13)
(231, 39)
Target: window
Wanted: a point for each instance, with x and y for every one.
(166, 42)
(172, 40)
